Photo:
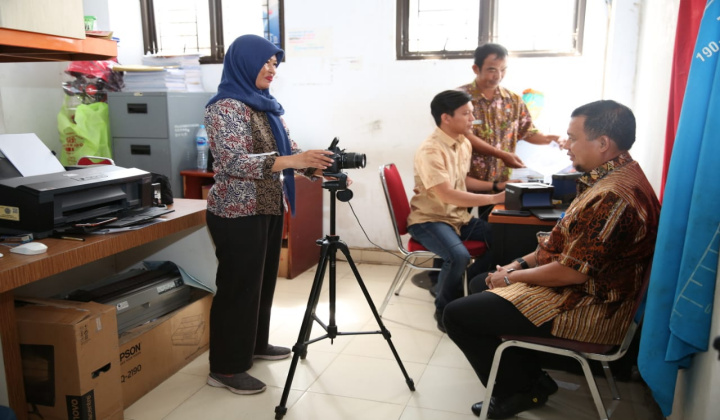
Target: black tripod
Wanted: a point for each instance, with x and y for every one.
(330, 244)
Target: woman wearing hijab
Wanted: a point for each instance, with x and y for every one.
(251, 148)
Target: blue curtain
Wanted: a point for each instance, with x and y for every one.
(682, 285)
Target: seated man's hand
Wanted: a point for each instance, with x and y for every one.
(497, 278)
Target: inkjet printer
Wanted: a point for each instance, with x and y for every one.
(528, 195)
(40, 204)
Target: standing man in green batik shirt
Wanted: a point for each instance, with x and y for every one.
(501, 119)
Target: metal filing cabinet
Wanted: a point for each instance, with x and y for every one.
(155, 131)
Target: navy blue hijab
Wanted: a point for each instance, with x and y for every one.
(241, 66)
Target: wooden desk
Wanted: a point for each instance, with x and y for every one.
(514, 236)
(193, 181)
(62, 255)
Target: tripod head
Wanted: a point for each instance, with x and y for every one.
(339, 186)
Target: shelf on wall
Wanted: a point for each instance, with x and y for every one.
(20, 46)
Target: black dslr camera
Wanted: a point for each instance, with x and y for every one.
(343, 160)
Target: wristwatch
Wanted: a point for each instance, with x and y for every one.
(505, 277)
(523, 263)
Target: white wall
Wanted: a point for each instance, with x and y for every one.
(697, 395)
(652, 83)
(31, 96)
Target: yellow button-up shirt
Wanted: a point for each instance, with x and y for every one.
(440, 158)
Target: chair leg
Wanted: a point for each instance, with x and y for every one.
(393, 285)
(592, 384)
(403, 279)
(465, 279)
(611, 381)
(491, 379)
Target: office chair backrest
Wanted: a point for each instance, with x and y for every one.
(396, 198)
(636, 313)
(643, 288)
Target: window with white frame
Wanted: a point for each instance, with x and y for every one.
(454, 28)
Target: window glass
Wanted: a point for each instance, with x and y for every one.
(272, 22)
(183, 26)
(531, 25)
(454, 28)
(443, 25)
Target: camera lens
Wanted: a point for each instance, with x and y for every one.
(352, 160)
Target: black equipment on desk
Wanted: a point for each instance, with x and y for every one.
(137, 217)
(552, 214)
(40, 204)
(528, 195)
(565, 186)
(139, 296)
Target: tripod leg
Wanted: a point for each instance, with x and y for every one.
(300, 348)
(314, 297)
(385, 332)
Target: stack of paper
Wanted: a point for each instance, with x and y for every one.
(182, 72)
(179, 73)
(29, 154)
(138, 80)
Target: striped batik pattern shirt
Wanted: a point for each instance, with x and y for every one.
(607, 233)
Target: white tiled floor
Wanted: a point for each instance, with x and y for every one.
(356, 377)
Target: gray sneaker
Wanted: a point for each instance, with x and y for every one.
(274, 353)
(239, 383)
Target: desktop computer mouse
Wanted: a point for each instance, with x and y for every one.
(30, 248)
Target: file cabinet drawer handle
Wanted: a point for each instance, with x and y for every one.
(139, 149)
(137, 108)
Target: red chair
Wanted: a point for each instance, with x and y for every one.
(578, 350)
(94, 160)
(414, 254)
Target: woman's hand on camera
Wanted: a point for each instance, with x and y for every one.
(309, 159)
(314, 159)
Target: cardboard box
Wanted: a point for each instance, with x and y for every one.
(283, 268)
(69, 354)
(153, 352)
(204, 191)
(53, 17)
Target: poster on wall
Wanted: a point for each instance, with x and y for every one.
(273, 22)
